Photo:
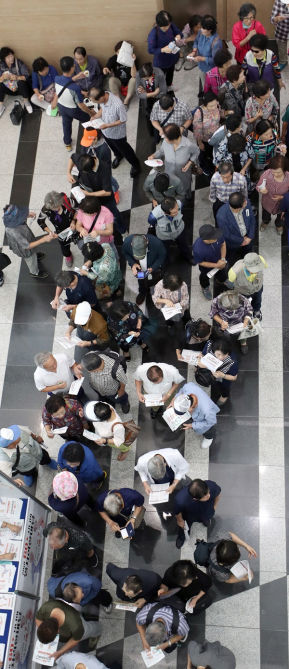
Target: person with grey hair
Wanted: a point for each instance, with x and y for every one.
(119, 507)
(55, 373)
(166, 465)
(107, 376)
(59, 209)
(231, 308)
(78, 289)
(72, 548)
(237, 221)
(162, 625)
(224, 182)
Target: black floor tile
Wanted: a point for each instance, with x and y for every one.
(25, 342)
(246, 528)
(285, 302)
(285, 269)
(240, 489)
(285, 348)
(111, 653)
(52, 263)
(20, 192)
(273, 605)
(19, 389)
(29, 310)
(244, 396)
(26, 155)
(286, 389)
(274, 649)
(156, 434)
(30, 128)
(237, 441)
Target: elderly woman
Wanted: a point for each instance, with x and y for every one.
(120, 507)
(192, 583)
(230, 308)
(244, 29)
(221, 349)
(180, 155)
(150, 86)
(21, 239)
(205, 123)
(14, 78)
(206, 45)
(63, 411)
(273, 185)
(160, 38)
(101, 267)
(238, 151)
(170, 291)
(259, 53)
(43, 78)
(265, 144)
(108, 426)
(80, 461)
(125, 321)
(60, 211)
(232, 94)
(94, 222)
(68, 495)
(261, 105)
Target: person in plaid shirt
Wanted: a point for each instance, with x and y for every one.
(224, 182)
(216, 77)
(280, 19)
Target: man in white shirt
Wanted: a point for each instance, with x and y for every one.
(55, 373)
(164, 466)
(76, 660)
(157, 379)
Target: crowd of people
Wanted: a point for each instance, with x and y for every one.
(233, 138)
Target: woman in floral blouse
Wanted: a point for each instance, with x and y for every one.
(206, 122)
(230, 308)
(261, 105)
(102, 265)
(167, 292)
(125, 321)
(273, 185)
(62, 411)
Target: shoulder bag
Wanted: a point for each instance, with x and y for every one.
(131, 431)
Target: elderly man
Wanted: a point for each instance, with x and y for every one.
(196, 503)
(138, 586)
(224, 182)
(157, 379)
(78, 289)
(210, 253)
(80, 588)
(247, 277)
(73, 547)
(237, 221)
(157, 187)
(55, 373)
(146, 256)
(166, 465)
(161, 625)
(203, 411)
(69, 99)
(169, 224)
(91, 326)
(20, 453)
(119, 507)
(84, 64)
(56, 617)
(76, 660)
(107, 377)
(113, 114)
(169, 109)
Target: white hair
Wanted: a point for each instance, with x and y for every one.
(156, 633)
(157, 467)
(41, 358)
(53, 199)
(113, 504)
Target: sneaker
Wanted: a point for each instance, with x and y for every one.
(154, 413)
(244, 348)
(228, 284)
(28, 107)
(93, 641)
(179, 64)
(41, 275)
(206, 523)
(207, 293)
(108, 609)
(68, 147)
(140, 299)
(206, 443)
(2, 110)
(117, 534)
(117, 197)
(180, 540)
(125, 408)
(1, 281)
(258, 314)
(135, 170)
(69, 261)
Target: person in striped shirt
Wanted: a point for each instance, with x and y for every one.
(261, 63)
(216, 77)
(163, 627)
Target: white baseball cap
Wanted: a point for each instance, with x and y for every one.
(182, 404)
(82, 313)
(285, 2)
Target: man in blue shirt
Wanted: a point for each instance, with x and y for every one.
(196, 503)
(79, 588)
(203, 411)
(210, 253)
(71, 105)
(119, 507)
(78, 289)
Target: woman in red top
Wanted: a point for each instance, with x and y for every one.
(244, 29)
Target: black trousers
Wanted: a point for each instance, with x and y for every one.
(182, 244)
(231, 253)
(103, 597)
(22, 89)
(45, 460)
(266, 218)
(216, 207)
(169, 74)
(122, 149)
(204, 279)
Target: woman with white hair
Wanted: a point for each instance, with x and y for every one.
(120, 507)
(60, 211)
(166, 465)
(231, 308)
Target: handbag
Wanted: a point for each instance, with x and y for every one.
(88, 238)
(17, 113)
(131, 431)
(102, 290)
(49, 93)
(253, 329)
(204, 377)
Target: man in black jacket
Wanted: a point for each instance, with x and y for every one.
(139, 586)
(145, 254)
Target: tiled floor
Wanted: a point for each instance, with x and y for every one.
(250, 455)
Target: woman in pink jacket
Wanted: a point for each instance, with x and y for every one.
(244, 29)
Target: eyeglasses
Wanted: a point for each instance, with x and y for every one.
(248, 18)
(255, 50)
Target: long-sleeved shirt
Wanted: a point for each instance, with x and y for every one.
(239, 33)
(214, 81)
(89, 468)
(165, 294)
(95, 77)
(282, 28)
(204, 415)
(207, 47)
(18, 67)
(267, 69)
(221, 191)
(157, 39)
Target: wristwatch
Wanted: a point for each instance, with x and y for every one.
(133, 517)
(169, 642)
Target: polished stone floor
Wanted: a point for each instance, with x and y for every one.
(249, 457)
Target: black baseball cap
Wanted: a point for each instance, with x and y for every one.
(209, 232)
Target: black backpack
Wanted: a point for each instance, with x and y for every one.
(202, 555)
(204, 377)
(119, 360)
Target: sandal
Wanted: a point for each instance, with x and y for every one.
(179, 64)
(127, 357)
(122, 456)
(263, 226)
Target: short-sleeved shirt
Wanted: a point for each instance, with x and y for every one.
(219, 575)
(130, 498)
(170, 375)
(166, 614)
(207, 252)
(180, 115)
(72, 95)
(105, 218)
(46, 81)
(199, 582)
(114, 110)
(44, 378)
(83, 292)
(95, 180)
(72, 626)
(121, 72)
(192, 510)
(103, 382)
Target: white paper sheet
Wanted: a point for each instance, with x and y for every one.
(168, 312)
(3, 618)
(7, 533)
(7, 573)
(96, 123)
(191, 357)
(43, 651)
(159, 497)
(211, 362)
(75, 386)
(2, 649)
(212, 272)
(152, 400)
(241, 569)
(10, 507)
(234, 329)
(173, 420)
(152, 656)
(11, 547)
(77, 193)
(68, 343)
(90, 435)
(59, 430)
(126, 607)
(6, 602)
